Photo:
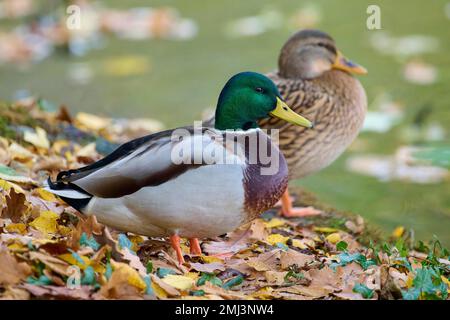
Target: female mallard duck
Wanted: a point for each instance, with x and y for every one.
(167, 185)
(315, 80)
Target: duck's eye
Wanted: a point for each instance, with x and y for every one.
(259, 89)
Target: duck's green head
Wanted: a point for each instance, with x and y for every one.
(248, 97)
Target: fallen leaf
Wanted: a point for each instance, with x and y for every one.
(207, 267)
(55, 264)
(266, 261)
(46, 223)
(38, 138)
(276, 238)
(179, 282)
(54, 292)
(11, 271)
(16, 206)
(333, 238)
(292, 257)
(398, 232)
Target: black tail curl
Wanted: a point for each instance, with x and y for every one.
(78, 204)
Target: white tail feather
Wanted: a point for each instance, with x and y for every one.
(73, 194)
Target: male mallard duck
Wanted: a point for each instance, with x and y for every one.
(315, 80)
(167, 185)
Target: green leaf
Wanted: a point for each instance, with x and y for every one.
(428, 285)
(89, 242)
(124, 242)
(363, 290)
(346, 258)
(233, 282)
(162, 272)
(293, 274)
(149, 267)
(148, 282)
(211, 277)
(108, 271)
(89, 276)
(411, 294)
(41, 281)
(197, 293)
(282, 246)
(341, 246)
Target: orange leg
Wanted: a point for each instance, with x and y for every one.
(175, 241)
(288, 211)
(195, 247)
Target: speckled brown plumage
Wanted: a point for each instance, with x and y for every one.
(335, 102)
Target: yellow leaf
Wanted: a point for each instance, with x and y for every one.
(159, 292)
(133, 276)
(192, 275)
(325, 229)
(46, 222)
(275, 222)
(263, 293)
(45, 195)
(447, 282)
(38, 138)
(16, 227)
(398, 232)
(184, 248)
(58, 145)
(92, 122)
(69, 258)
(179, 282)
(275, 238)
(7, 185)
(136, 240)
(18, 247)
(19, 152)
(409, 280)
(299, 244)
(211, 259)
(333, 238)
(63, 230)
(87, 151)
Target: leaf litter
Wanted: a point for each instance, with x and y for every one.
(48, 250)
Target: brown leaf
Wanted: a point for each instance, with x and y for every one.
(275, 278)
(64, 114)
(118, 287)
(207, 267)
(211, 289)
(16, 206)
(266, 261)
(55, 264)
(292, 257)
(89, 226)
(13, 293)
(11, 271)
(55, 292)
(171, 291)
(237, 240)
(258, 230)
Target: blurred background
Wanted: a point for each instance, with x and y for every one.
(168, 60)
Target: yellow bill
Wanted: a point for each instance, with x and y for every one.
(342, 63)
(282, 111)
